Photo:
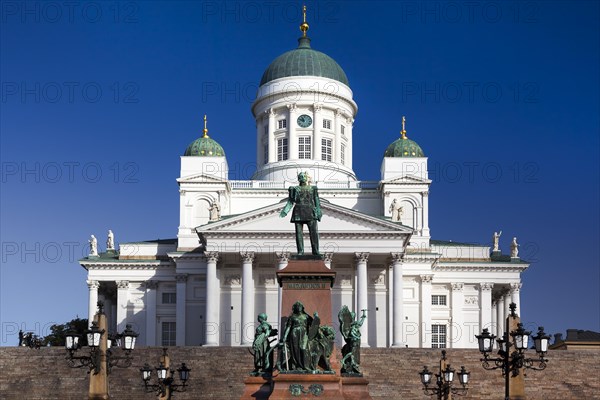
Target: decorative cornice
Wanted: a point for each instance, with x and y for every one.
(361, 257)
(476, 267)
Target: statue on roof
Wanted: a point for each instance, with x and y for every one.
(215, 211)
(93, 245)
(307, 210)
(110, 240)
(496, 240)
(396, 211)
(514, 248)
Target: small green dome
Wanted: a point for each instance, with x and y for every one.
(204, 147)
(404, 147)
(304, 61)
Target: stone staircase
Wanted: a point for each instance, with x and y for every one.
(219, 372)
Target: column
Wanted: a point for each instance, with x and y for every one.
(317, 126)
(362, 299)
(93, 300)
(271, 136)
(515, 294)
(337, 151)
(500, 316)
(211, 315)
(180, 311)
(425, 322)
(247, 298)
(150, 303)
(327, 258)
(425, 212)
(485, 306)
(282, 262)
(292, 137)
(122, 292)
(494, 328)
(397, 299)
(507, 301)
(457, 329)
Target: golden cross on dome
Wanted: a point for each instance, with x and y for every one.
(304, 25)
(403, 132)
(205, 131)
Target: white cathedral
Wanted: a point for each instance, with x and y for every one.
(206, 286)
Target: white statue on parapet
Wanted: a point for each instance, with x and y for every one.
(215, 211)
(396, 211)
(496, 241)
(514, 248)
(110, 240)
(93, 245)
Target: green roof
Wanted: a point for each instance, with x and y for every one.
(304, 61)
(204, 147)
(404, 147)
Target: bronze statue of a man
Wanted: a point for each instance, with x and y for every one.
(307, 210)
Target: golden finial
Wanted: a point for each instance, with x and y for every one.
(304, 25)
(205, 131)
(403, 132)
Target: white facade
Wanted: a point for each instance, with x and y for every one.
(207, 285)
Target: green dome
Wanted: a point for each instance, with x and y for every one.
(304, 61)
(204, 147)
(404, 147)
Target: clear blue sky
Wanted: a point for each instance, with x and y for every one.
(99, 100)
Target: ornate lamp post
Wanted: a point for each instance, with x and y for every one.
(165, 385)
(101, 358)
(444, 388)
(512, 361)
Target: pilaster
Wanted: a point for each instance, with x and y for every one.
(180, 316)
(425, 325)
(247, 298)
(212, 300)
(122, 298)
(398, 299)
(362, 302)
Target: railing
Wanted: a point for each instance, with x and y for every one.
(321, 185)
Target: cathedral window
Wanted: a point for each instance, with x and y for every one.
(169, 331)
(304, 147)
(438, 300)
(327, 124)
(343, 154)
(169, 298)
(282, 149)
(438, 336)
(282, 123)
(326, 149)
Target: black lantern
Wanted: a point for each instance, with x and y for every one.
(443, 381)
(71, 340)
(165, 385)
(146, 372)
(541, 341)
(184, 373)
(486, 341)
(161, 372)
(128, 338)
(463, 376)
(521, 337)
(448, 374)
(94, 334)
(425, 376)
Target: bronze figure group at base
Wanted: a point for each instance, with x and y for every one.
(306, 345)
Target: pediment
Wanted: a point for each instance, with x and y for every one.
(335, 219)
(200, 178)
(406, 179)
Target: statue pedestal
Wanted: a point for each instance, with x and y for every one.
(309, 281)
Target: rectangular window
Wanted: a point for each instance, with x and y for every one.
(326, 149)
(304, 147)
(168, 334)
(282, 123)
(343, 154)
(343, 129)
(438, 300)
(169, 298)
(282, 149)
(327, 123)
(438, 336)
(266, 153)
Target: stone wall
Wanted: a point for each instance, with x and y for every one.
(218, 373)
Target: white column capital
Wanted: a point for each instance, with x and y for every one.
(486, 286)
(247, 256)
(93, 285)
(181, 278)
(292, 107)
(122, 284)
(282, 257)
(515, 287)
(426, 279)
(397, 257)
(151, 284)
(211, 256)
(361, 257)
(317, 107)
(457, 286)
